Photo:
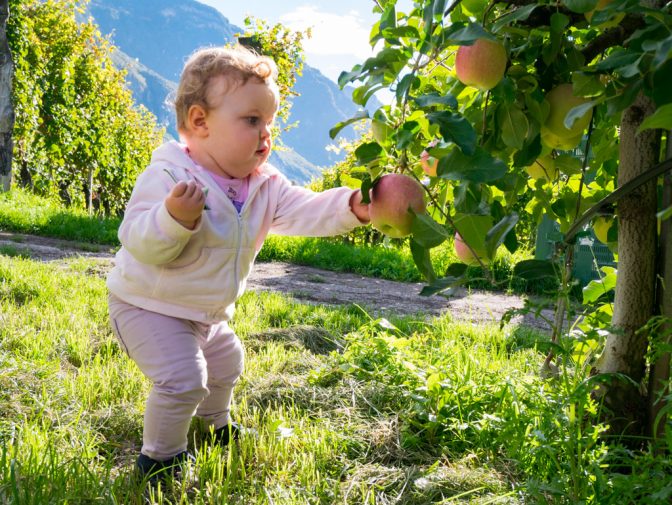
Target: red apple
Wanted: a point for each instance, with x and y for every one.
(392, 199)
(429, 163)
(465, 255)
(482, 64)
(561, 100)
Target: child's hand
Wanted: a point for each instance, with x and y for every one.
(185, 203)
(359, 209)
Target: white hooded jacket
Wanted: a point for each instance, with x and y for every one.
(198, 274)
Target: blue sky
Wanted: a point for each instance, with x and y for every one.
(340, 28)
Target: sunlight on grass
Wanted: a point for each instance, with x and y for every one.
(339, 407)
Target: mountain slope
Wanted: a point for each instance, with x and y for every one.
(155, 37)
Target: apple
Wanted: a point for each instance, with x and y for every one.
(429, 163)
(392, 198)
(482, 64)
(543, 168)
(465, 255)
(551, 140)
(561, 100)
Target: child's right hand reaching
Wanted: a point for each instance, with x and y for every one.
(185, 203)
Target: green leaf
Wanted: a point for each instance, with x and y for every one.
(455, 128)
(404, 86)
(535, 270)
(347, 77)
(496, 234)
(423, 261)
(407, 134)
(459, 34)
(559, 22)
(431, 99)
(410, 32)
(473, 229)
(361, 114)
(578, 112)
(519, 14)
(427, 232)
(597, 288)
(580, 6)
(368, 152)
(618, 58)
(514, 125)
(456, 270)
(587, 84)
(481, 167)
(441, 285)
(662, 118)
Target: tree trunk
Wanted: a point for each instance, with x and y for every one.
(659, 377)
(634, 301)
(6, 109)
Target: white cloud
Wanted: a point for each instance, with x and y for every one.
(332, 34)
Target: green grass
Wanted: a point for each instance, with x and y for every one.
(23, 212)
(343, 408)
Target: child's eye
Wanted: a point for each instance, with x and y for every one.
(252, 120)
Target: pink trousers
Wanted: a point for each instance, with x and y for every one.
(193, 368)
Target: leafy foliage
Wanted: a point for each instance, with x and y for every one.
(78, 133)
(485, 140)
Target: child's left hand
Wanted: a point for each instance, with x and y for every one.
(359, 209)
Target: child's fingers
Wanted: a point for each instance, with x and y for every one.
(179, 189)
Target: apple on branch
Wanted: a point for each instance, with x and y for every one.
(394, 200)
(428, 162)
(481, 64)
(554, 133)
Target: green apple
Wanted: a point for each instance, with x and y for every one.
(465, 255)
(551, 140)
(392, 199)
(561, 100)
(482, 64)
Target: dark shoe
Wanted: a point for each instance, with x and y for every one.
(222, 436)
(155, 470)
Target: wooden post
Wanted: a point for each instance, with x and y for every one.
(6, 108)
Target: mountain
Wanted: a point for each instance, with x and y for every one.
(154, 37)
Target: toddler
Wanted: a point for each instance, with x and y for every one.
(196, 219)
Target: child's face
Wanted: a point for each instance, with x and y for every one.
(239, 127)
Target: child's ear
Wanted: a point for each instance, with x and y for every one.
(196, 120)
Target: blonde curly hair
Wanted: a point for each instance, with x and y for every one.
(237, 64)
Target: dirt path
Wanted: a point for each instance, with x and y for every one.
(313, 285)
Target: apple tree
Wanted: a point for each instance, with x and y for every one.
(521, 109)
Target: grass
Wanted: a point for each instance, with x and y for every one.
(23, 212)
(341, 409)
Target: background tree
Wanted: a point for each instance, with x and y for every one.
(6, 108)
(78, 133)
(582, 95)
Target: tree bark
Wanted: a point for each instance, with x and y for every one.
(6, 108)
(634, 301)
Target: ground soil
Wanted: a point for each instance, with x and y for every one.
(312, 285)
